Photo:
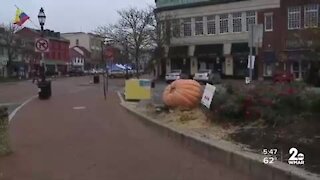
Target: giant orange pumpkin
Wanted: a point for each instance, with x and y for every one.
(183, 93)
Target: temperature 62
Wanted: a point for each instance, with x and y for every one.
(269, 160)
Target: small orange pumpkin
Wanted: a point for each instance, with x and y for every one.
(183, 93)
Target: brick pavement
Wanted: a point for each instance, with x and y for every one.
(52, 141)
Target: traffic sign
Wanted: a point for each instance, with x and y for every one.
(42, 45)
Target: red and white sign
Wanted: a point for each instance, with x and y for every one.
(42, 45)
(208, 95)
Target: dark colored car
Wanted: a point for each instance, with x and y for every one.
(76, 72)
(283, 77)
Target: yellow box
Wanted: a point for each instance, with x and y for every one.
(137, 89)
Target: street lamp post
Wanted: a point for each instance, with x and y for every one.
(44, 86)
(42, 19)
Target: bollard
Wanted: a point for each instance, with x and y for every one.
(4, 132)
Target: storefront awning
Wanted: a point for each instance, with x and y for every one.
(54, 62)
(269, 56)
(178, 51)
(212, 50)
(241, 49)
(301, 55)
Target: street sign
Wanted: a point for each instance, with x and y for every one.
(42, 45)
(255, 35)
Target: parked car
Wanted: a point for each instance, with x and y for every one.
(117, 73)
(174, 75)
(76, 72)
(207, 76)
(283, 77)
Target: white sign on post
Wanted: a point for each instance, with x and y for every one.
(251, 63)
(208, 95)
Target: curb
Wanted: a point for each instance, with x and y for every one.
(227, 153)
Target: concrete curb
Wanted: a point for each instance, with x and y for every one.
(227, 153)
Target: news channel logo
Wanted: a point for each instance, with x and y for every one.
(296, 157)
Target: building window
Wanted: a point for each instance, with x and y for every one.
(224, 23)
(251, 18)
(199, 25)
(268, 22)
(175, 26)
(294, 18)
(187, 31)
(236, 22)
(211, 24)
(311, 13)
(267, 70)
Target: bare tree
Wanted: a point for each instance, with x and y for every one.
(12, 44)
(161, 36)
(132, 30)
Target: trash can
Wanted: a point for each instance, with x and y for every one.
(96, 79)
(44, 89)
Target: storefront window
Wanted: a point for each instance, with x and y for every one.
(224, 25)
(236, 22)
(311, 15)
(267, 70)
(211, 24)
(199, 25)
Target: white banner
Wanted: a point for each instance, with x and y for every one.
(251, 65)
(208, 95)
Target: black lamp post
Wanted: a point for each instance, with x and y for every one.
(42, 19)
(44, 86)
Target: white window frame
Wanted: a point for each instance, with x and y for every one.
(236, 16)
(184, 25)
(250, 16)
(224, 20)
(311, 11)
(265, 22)
(211, 19)
(292, 12)
(196, 27)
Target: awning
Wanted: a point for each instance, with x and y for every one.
(212, 50)
(178, 51)
(299, 55)
(269, 56)
(241, 49)
(54, 62)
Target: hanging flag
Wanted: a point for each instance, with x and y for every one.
(21, 17)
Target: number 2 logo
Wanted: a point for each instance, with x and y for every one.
(294, 153)
(295, 156)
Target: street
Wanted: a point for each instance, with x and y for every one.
(78, 135)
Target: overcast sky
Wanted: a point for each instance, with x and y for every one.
(69, 15)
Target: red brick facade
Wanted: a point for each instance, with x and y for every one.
(59, 47)
(289, 46)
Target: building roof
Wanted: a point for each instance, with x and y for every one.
(81, 50)
(194, 4)
(52, 35)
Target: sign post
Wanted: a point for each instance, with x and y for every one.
(255, 40)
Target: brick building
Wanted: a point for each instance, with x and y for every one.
(58, 56)
(290, 37)
(214, 35)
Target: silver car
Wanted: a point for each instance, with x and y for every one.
(174, 75)
(207, 76)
